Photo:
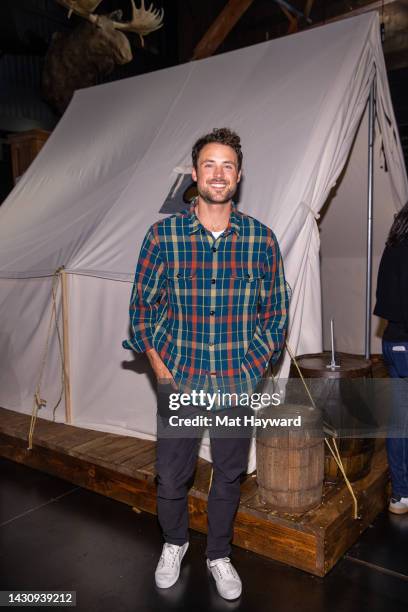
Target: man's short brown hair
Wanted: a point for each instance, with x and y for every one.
(223, 136)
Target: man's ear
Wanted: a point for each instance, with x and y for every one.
(194, 174)
(239, 176)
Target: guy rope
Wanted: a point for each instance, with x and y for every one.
(39, 402)
(331, 443)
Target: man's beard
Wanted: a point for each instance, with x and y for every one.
(208, 195)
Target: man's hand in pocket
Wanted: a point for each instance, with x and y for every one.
(162, 373)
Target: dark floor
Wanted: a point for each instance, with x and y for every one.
(54, 535)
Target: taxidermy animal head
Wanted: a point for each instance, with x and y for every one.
(80, 57)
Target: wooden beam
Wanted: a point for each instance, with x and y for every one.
(308, 7)
(370, 6)
(293, 22)
(395, 44)
(395, 15)
(294, 18)
(220, 28)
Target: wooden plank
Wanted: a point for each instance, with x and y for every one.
(146, 456)
(342, 534)
(100, 445)
(125, 448)
(46, 431)
(143, 452)
(260, 510)
(90, 447)
(80, 472)
(18, 429)
(14, 421)
(276, 541)
(372, 494)
(56, 434)
(18, 424)
(220, 28)
(249, 488)
(75, 440)
(340, 502)
(148, 471)
(48, 428)
(8, 416)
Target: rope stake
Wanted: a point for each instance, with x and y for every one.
(39, 402)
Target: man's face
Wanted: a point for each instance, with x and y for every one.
(217, 173)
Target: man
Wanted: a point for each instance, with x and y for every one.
(209, 303)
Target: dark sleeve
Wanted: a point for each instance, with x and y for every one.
(403, 283)
(388, 302)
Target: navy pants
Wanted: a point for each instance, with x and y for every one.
(397, 446)
(175, 466)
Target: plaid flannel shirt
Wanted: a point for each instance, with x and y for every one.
(210, 307)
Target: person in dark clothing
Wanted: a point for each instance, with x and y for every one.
(392, 305)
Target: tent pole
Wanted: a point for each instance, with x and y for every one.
(370, 190)
(65, 337)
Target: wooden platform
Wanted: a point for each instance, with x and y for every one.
(122, 467)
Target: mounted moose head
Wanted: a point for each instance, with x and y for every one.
(79, 58)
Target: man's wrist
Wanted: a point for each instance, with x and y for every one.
(159, 367)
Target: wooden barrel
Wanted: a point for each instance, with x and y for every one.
(356, 453)
(290, 460)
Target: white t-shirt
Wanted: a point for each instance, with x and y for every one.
(216, 234)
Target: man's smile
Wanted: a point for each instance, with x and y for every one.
(218, 184)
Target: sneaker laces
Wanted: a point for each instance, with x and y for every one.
(224, 568)
(169, 554)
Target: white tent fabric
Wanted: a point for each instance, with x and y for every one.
(343, 228)
(98, 184)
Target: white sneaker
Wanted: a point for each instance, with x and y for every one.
(398, 505)
(168, 567)
(228, 583)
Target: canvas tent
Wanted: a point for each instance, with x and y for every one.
(87, 200)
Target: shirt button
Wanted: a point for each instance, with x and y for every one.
(212, 312)
(211, 344)
(203, 231)
(213, 281)
(214, 249)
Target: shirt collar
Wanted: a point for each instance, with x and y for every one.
(234, 223)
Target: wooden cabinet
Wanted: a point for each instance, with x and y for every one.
(25, 146)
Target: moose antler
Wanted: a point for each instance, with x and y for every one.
(143, 21)
(83, 8)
